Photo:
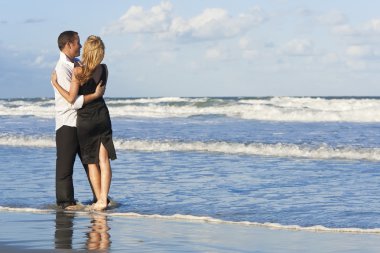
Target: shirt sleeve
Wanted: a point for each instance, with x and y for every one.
(78, 102)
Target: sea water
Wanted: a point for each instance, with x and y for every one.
(305, 163)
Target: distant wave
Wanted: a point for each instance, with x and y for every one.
(303, 109)
(205, 219)
(26, 141)
(259, 149)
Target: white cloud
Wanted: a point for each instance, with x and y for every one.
(298, 47)
(333, 18)
(338, 23)
(214, 53)
(138, 20)
(212, 23)
(34, 20)
(249, 54)
(137, 45)
(216, 23)
(340, 27)
(330, 58)
(167, 57)
(247, 51)
(344, 29)
(244, 43)
(359, 51)
(356, 65)
(305, 12)
(40, 61)
(373, 25)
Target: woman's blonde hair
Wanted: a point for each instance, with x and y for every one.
(93, 54)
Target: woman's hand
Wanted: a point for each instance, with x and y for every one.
(100, 89)
(53, 78)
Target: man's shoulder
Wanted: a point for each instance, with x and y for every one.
(64, 64)
(63, 67)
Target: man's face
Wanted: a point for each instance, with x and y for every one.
(75, 47)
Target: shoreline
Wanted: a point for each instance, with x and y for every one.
(70, 232)
(200, 219)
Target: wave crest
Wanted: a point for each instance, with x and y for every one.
(306, 109)
(257, 149)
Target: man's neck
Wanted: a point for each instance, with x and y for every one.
(68, 56)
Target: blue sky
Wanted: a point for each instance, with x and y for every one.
(200, 47)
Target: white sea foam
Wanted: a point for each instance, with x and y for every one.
(24, 209)
(40, 108)
(305, 109)
(26, 141)
(258, 149)
(205, 219)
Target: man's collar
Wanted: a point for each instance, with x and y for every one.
(66, 59)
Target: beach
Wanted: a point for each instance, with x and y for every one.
(273, 174)
(58, 232)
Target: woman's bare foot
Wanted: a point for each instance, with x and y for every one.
(99, 206)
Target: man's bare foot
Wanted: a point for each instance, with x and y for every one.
(74, 207)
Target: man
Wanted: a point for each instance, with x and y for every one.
(66, 117)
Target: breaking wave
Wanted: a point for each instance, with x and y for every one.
(258, 149)
(302, 109)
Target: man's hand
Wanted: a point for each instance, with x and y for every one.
(100, 89)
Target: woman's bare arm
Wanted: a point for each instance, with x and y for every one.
(72, 94)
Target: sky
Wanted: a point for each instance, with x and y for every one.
(200, 48)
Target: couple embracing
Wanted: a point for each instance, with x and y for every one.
(83, 124)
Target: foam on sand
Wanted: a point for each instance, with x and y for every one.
(202, 219)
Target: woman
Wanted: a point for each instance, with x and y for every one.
(93, 120)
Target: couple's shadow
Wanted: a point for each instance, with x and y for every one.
(92, 236)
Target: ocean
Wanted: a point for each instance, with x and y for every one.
(288, 163)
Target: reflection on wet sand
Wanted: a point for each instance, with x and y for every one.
(96, 235)
(63, 237)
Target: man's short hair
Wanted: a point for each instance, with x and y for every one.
(66, 37)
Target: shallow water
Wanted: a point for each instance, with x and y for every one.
(290, 170)
(26, 231)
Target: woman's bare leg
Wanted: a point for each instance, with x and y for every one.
(105, 178)
(94, 175)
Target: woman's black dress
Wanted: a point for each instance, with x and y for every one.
(94, 124)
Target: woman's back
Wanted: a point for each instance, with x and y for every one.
(93, 122)
(90, 86)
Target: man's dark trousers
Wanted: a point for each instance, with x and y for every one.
(67, 149)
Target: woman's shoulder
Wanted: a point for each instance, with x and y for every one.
(103, 65)
(78, 70)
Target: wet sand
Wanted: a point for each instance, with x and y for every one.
(69, 232)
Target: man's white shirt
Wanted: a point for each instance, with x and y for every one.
(65, 113)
